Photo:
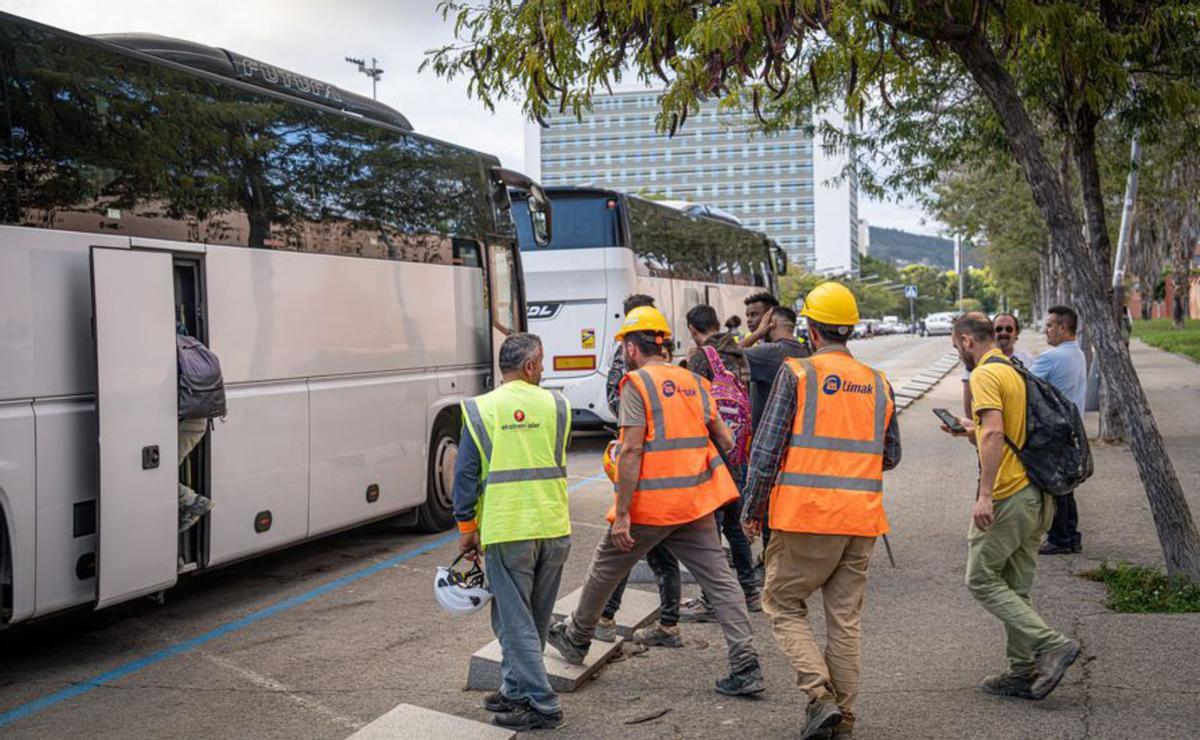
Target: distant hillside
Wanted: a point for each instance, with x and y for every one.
(902, 248)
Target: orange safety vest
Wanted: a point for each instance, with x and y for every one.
(831, 481)
(683, 477)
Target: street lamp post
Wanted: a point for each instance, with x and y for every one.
(374, 72)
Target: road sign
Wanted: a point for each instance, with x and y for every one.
(910, 291)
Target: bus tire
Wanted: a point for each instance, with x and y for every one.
(437, 513)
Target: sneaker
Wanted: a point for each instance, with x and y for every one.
(1008, 684)
(696, 610)
(570, 652)
(659, 635)
(606, 630)
(1052, 664)
(524, 718)
(192, 510)
(1049, 548)
(497, 702)
(754, 600)
(823, 714)
(746, 682)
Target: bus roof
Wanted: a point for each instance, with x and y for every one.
(232, 65)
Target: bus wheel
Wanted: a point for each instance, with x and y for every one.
(437, 513)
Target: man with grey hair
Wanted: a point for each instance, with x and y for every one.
(510, 497)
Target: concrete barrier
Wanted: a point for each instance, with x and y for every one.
(418, 723)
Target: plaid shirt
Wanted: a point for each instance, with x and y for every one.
(774, 434)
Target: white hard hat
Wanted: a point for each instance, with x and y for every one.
(461, 593)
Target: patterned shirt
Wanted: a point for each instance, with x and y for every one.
(774, 433)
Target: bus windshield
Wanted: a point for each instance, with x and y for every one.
(580, 221)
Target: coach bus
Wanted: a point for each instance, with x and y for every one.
(607, 245)
(354, 277)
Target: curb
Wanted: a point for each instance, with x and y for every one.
(925, 381)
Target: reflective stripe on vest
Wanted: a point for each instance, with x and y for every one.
(524, 468)
(833, 483)
(682, 476)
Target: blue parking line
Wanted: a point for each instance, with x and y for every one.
(133, 666)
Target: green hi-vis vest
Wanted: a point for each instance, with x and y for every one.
(521, 432)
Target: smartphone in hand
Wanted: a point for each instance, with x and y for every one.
(950, 420)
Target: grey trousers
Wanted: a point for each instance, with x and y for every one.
(524, 577)
(698, 546)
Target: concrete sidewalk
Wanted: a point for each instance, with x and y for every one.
(927, 644)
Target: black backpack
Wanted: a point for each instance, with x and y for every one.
(1056, 454)
(201, 387)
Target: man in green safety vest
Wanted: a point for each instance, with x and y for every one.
(510, 500)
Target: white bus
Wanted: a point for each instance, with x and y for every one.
(607, 245)
(354, 278)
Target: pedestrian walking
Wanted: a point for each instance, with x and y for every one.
(1008, 520)
(510, 502)
(777, 329)
(664, 565)
(827, 434)
(670, 481)
(1065, 367)
(717, 358)
(1008, 329)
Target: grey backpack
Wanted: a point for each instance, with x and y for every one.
(201, 387)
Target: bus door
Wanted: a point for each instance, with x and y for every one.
(136, 404)
(506, 304)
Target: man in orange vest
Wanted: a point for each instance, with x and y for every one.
(670, 480)
(826, 435)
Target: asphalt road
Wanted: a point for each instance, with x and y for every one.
(318, 640)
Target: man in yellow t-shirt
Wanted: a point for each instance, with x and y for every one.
(1009, 518)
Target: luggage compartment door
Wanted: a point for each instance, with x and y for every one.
(136, 402)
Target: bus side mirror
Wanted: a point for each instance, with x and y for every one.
(781, 261)
(538, 201)
(539, 215)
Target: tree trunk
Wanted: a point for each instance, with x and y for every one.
(1083, 145)
(1181, 259)
(1172, 518)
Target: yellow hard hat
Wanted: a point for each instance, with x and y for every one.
(645, 318)
(831, 303)
(610, 460)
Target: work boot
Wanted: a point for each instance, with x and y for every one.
(1049, 548)
(746, 682)
(1008, 684)
(844, 729)
(524, 718)
(497, 702)
(606, 630)
(754, 600)
(823, 714)
(697, 610)
(1051, 665)
(572, 653)
(659, 635)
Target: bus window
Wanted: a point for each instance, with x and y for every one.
(505, 301)
(587, 220)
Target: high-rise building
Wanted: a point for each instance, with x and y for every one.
(779, 184)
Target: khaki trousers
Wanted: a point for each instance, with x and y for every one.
(799, 564)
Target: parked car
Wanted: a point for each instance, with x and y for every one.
(939, 324)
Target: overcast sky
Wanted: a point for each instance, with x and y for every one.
(312, 38)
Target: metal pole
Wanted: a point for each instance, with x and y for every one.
(1131, 186)
(959, 267)
(374, 78)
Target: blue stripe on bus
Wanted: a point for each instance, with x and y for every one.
(133, 666)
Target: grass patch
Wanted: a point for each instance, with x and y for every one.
(1136, 589)
(1160, 333)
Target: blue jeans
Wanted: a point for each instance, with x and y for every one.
(524, 577)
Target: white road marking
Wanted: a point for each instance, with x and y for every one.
(270, 684)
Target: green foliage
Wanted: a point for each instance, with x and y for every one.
(1162, 334)
(1137, 589)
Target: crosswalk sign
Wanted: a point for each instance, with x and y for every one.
(910, 291)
